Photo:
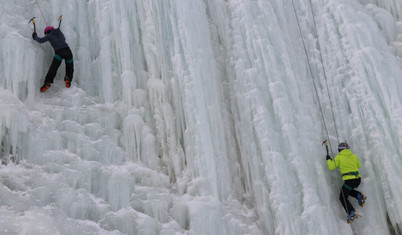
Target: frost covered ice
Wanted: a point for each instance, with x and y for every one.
(200, 117)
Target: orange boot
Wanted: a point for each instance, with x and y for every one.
(45, 87)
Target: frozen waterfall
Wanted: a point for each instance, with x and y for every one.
(200, 117)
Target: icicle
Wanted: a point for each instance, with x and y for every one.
(13, 123)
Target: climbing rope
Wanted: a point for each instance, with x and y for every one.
(312, 75)
(324, 71)
(315, 86)
(37, 3)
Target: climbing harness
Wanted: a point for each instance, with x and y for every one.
(355, 173)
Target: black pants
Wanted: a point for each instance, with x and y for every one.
(64, 53)
(349, 190)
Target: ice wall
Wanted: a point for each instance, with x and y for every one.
(200, 117)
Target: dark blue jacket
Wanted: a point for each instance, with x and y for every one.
(56, 39)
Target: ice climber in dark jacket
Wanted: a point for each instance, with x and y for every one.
(62, 51)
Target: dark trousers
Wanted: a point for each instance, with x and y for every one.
(64, 53)
(346, 190)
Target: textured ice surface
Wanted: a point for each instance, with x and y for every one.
(200, 117)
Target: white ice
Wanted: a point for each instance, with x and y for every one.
(200, 117)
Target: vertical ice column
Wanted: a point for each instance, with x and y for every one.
(13, 124)
(392, 6)
(271, 102)
(194, 63)
(18, 63)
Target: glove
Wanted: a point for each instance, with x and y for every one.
(34, 35)
(329, 157)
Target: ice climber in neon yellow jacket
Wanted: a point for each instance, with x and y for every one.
(349, 165)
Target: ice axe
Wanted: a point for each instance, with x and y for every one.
(60, 18)
(326, 146)
(33, 22)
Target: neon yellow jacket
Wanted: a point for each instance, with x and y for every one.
(347, 162)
